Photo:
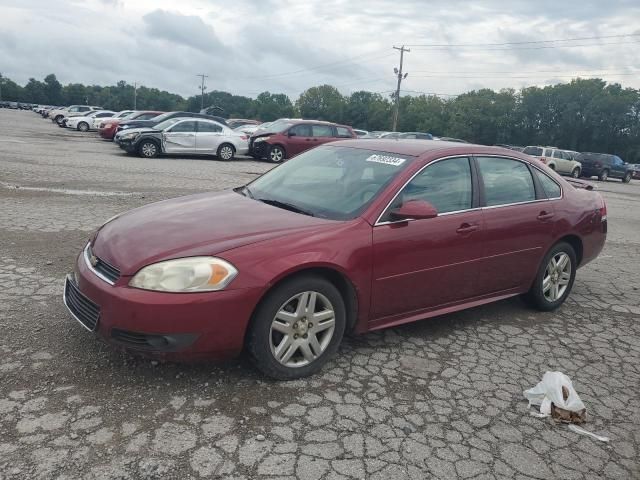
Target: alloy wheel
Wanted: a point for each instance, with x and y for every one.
(226, 152)
(276, 155)
(83, 127)
(556, 278)
(575, 173)
(149, 149)
(302, 329)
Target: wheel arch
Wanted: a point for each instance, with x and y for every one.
(576, 243)
(330, 273)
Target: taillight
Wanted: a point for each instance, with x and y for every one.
(244, 137)
(603, 211)
(543, 160)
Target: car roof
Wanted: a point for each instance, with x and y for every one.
(418, 148)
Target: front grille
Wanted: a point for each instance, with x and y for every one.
(133, 339)
(83, 309)
(109, 272)
(154, 342)
(259, 148)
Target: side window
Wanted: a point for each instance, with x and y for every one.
(302, 130)
(74, 109)
(551, 188)
(104, 115)
(206, 127)
(184, 127)
(84, 109)
(506, 181)
(617, 160)
(321, 131)
(146, 116)
(547, 152)
(343, 132)
(557, 154)
(445, 184)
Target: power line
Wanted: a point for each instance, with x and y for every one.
(542, 47)
(575, 39)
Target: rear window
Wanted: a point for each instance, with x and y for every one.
(551, 188)
(535, 151)
(343, 132)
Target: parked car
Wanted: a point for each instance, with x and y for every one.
(186, 136)
(357, 235)
(108, 128)
(456, 140)
(287, 138)
(74, 110)
(239, 122)
(415, 136)
(139, 123)
(557, 159)
(84, 123)
(360, 133)
(116, 116)
(604, 166)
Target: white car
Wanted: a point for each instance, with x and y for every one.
(562, 161)
(73, 111)
(184, 136)
(118, 115)
(85, 123)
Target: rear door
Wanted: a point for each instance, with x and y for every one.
(300, 139)
(208, 137)
(519, 224)
(180, 138)
(322, 134)
(561, 161)
(424, 264)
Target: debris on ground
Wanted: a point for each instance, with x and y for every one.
(557, 398)
(582, 431)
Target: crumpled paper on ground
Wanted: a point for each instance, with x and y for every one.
(557, 398)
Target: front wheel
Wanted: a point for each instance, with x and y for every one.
(297, 328)
(226, 152)
(575, 173)
(555, 278)
(83, 127)
(603, 175)
(148, 149)
(627, 178)
(276, 154)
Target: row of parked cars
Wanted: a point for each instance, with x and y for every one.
(150, 133)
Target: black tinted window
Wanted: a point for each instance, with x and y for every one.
(506, 181)
(183, 127)
(445, 184)
(208, 127)
(551, 188)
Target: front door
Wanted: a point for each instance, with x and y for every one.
(300, 139)
(519, 224)
(618, 168)
(322, 134)
(208, 137)
(180, 138)
(424, 264)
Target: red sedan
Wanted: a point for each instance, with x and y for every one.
(356, 235)
(107, 129)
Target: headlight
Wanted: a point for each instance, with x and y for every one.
(261, 139)
(129, 136)
(191, 274)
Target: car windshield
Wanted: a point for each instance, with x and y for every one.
(166, 124)
(535, 151)
(163, 116)
(279, 126)
(331, 182)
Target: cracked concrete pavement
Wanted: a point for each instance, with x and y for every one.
(440, 398)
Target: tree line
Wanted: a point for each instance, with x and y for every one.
(582, 115)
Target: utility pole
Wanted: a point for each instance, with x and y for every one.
(202, 89)
(135, 95)
(400, 78)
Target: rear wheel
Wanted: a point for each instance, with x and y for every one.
(297, 328)
(276, 154)
(603, 175)
(575, 173)
(226, 152)
(83, 127)
(555, 278)
(627, 178)
(148, 149)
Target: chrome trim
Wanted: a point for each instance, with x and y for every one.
(87, 262)
(491, 207)
(414, 176)
(64, 300)
(439, 215)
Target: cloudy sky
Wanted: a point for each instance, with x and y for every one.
(249, 46)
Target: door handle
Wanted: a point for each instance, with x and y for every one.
(544, 216)
(466, 228)
(308, 139)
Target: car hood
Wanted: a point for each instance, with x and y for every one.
(203, 224)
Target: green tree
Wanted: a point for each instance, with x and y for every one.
(53, 89)
(322, 103)
(369, 111)
(271, 106)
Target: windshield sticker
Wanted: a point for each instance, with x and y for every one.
(395, 161)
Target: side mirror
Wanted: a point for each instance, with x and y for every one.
(291, 134)
(414, 209)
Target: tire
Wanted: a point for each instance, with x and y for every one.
(575, 173)
(58, 119)
(291, 338)
(627, 178)
(226, 152)
(83, 127)
(276, 154)
(545, 297)
(552, 167)
(148, 149)
(603, 175)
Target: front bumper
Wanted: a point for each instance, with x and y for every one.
(259, 149)
(208, 325)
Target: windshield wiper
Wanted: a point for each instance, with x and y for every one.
(286, 206)
(245, 191)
